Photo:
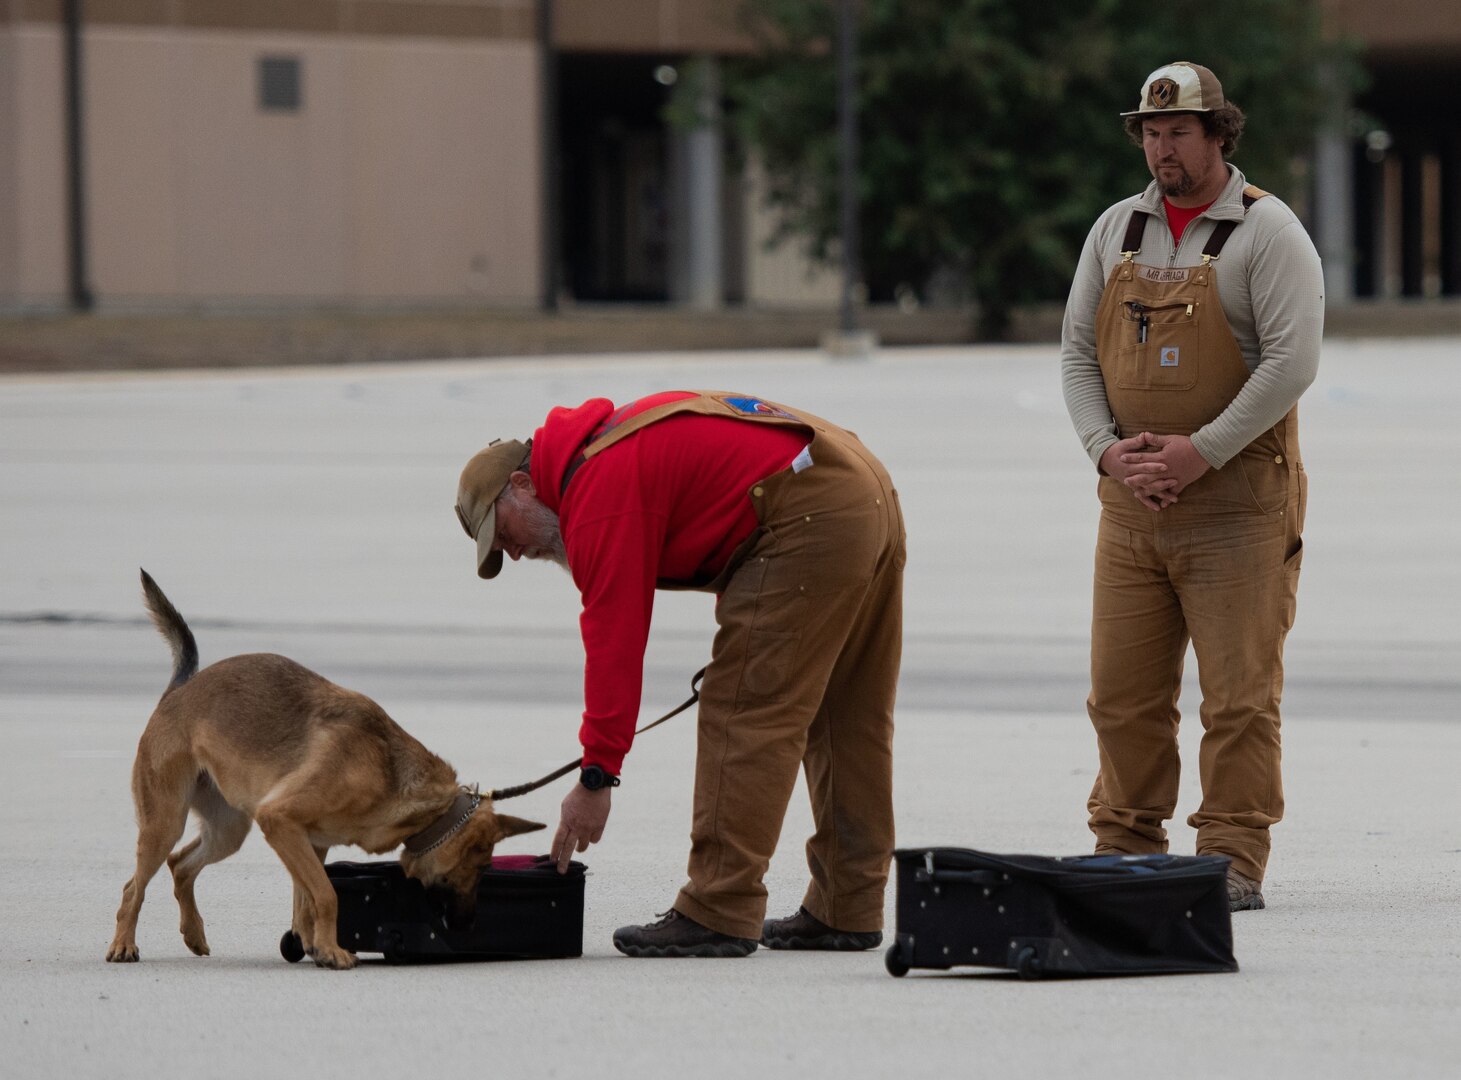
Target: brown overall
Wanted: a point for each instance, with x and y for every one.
(803, 673)
(1219, 567)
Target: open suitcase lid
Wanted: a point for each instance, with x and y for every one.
(1078, 871)
(536, 865)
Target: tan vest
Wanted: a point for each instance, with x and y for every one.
(1171, 365)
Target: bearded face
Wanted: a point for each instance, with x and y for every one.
(526, 529)
(1182, 157)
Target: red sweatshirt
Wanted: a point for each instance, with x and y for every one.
(669, 502)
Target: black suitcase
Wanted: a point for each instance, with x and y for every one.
(1042, 916)
(525, 910)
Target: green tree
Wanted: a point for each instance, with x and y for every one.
(990, 131)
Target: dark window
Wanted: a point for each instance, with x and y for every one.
(279, 84)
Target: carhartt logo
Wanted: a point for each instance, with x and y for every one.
(1169, 356)
(1162, 93)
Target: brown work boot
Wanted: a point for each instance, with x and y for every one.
(1244, 894)
(805, 931)
(679, 935)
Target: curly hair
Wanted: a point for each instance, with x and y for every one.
(1225, 122)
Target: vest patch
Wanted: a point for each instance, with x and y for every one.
(1170, 355)
(756, 407)
(1163, 273)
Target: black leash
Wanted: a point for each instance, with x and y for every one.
(523, 789)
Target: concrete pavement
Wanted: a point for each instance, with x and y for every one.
(309, 512)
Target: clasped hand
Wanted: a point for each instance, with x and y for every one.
(1155, 467)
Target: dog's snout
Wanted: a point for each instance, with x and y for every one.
(458, 910)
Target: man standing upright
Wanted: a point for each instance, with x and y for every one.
(1192, 328)
(795, 527)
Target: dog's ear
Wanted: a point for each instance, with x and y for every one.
(507, 825)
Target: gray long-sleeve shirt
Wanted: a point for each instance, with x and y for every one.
(1271, 287)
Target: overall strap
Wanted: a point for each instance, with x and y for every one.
(619, 425)
(704, 402)
(613, 420)
(1131, 242)
(1224, 229)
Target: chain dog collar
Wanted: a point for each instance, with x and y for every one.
(445, 827)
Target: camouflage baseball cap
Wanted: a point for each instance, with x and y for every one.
(1179, 87)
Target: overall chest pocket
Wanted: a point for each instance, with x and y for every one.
(1158, 343)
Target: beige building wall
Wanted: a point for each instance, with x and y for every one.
(410, 176)
(1404, 26)
(649, 26)
(8, 163)
(783, 276)
(33, 218)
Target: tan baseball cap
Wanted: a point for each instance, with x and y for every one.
(484, 479)
(1179, 87)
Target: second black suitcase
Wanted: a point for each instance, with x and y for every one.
(1044, 916)
(525, 909)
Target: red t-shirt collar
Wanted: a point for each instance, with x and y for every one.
(1179, 217)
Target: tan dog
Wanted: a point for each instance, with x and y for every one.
(260, 738)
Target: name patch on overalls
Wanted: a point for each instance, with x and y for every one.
(1170, 356)
(1163, 273)
(756, 407)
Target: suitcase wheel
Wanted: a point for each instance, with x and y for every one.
(291, 948)
(1027, 963)
(895, 961)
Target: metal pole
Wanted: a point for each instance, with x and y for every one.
(704, 174)
(82, 298)
(1334, 213)
(1334, 210)
(847, 139)
(548, 218)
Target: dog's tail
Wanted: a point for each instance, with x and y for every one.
(171, 625)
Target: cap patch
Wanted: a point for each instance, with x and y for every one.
(1162, 93)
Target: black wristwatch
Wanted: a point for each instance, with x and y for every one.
(594, 778)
